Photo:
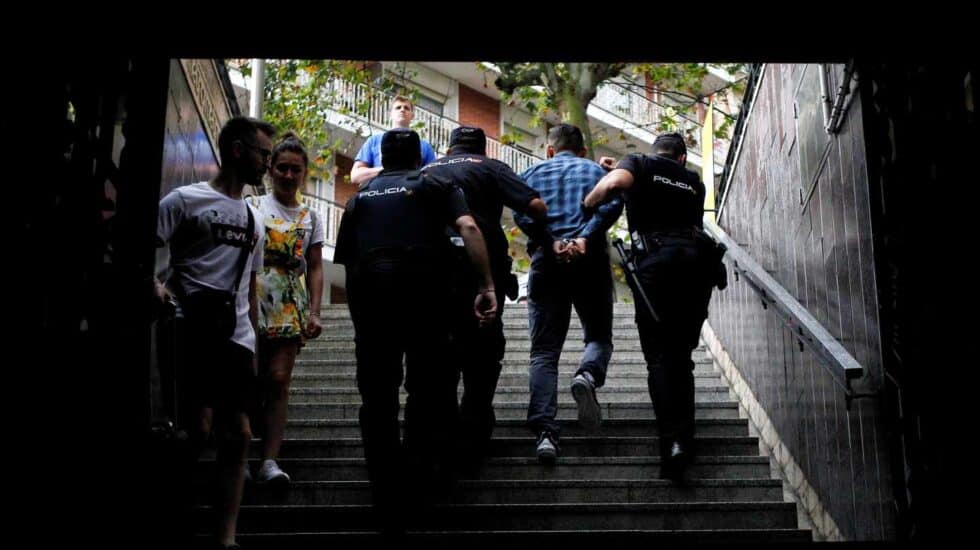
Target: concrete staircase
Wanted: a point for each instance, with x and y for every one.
(605, 487)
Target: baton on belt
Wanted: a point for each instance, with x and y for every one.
(629, 266)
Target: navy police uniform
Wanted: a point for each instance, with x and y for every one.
(392, 241)
(664, 209)
(488, 186)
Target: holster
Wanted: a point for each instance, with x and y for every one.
(713, 252)
(710, 251)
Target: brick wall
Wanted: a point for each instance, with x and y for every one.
(476, 109)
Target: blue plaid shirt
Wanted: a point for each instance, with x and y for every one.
(563, 181)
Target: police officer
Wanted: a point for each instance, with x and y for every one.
(664, 209)
(393, 243)
(488, 186)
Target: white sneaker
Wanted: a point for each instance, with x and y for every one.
(583, 390)
(270, 474)
(547, 449)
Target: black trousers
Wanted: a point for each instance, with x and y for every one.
(476, 355)
(675, 282)
(402, 313)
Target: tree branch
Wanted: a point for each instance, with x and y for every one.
(516, 75)
(550, 76)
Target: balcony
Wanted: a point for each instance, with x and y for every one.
(434, 128)
(638, 116)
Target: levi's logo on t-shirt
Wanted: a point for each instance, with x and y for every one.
(230, 235)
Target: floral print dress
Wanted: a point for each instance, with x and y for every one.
(284, 301)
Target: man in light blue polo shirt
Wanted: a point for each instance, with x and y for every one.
(367, 163)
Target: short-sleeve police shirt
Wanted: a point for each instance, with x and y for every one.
(664, 196)
(488, 186)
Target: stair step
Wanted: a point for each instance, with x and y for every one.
(618, 369)
(513, 382)
(511, 353)
(566, 365)
(471, 540)
(510, 311)
(511, 321)
(622, 333)
(561, 516)
(527, 467)
(528, 491)
(514, 306)
(510, 377)
(516, 344)
(315, 378)
(518, 409)
(331, 429)
(583, 446)
(636, 394)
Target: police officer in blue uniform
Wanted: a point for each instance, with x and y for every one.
(677, 269)
(488, 186)
(392, 241)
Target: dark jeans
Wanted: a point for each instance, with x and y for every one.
(676, 285)
(403, 313)
(553, 289)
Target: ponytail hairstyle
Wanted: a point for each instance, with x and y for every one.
(292, 143)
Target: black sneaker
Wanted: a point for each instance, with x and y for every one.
(675, 463)
(583, 390)
(547, 447)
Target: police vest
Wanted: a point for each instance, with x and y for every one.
(403, 214)
(664, 196)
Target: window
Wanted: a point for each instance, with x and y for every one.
(812, 139)
(519, 139)
(430, 104)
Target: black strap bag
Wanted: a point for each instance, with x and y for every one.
(212, 314)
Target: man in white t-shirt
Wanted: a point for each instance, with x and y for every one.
(206, 226)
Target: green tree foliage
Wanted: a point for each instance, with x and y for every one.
(566, 89)
(299, 93)
(562, 88)
(563, 91)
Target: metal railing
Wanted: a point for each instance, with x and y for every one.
(435, 128)
(755, 73)
(839, 363)
(330, 212)
(643, 113)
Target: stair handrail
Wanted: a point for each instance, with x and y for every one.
(844, 369)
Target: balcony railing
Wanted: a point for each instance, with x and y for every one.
(435, 128)
(330, 212)
(640, 112)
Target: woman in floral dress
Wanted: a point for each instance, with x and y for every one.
(289, 289)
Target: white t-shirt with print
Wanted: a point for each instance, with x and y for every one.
(206, 233)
